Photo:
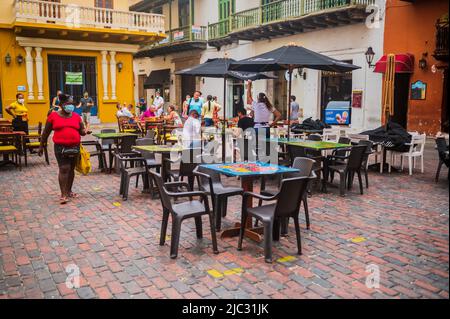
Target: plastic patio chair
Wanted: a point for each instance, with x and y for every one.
(181, 211)
(287, 205)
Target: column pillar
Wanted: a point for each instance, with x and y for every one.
(39, 73)
(105, 74)
(112, 66)
(30, 73)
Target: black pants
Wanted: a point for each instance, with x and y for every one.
(20, 125)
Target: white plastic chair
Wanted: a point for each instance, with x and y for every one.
(416, 150)
(331, 134)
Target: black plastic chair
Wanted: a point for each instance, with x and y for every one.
(186, 169)
(181, 211)
(365, 163)
(339, 156)
(125, 146)
(150, 159)
(209, 182)
(138, 167)
(348, 170)
(292, 190)
(305, 167)
(442, 149)
(297, 151)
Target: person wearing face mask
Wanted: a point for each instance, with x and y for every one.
(196, 103)
(19, 112)
(68, 128)
(86, 103)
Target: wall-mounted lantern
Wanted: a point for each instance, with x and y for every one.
(423, 61)
(370, 55)
(119, 66)
(8, 59)
(19, 59)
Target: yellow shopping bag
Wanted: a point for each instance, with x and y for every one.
(84, 162)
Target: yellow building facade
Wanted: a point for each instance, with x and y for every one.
(72, 46)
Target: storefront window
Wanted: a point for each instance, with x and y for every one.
(336, 95)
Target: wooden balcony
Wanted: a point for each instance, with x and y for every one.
(178, 40)
(51, 19)
(287, 17)
(441, 51)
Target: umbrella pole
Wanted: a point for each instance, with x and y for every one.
(224, 118)
(289, 102)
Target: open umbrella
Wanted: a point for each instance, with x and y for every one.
(219, 68)
(289, 58)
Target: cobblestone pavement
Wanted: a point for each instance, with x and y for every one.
(400, 225)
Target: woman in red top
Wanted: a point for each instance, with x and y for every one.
(68, 129)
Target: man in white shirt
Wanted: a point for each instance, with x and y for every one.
(158, 104)
(192, 130)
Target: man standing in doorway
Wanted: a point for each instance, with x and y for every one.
(158, 104)
(86, 103)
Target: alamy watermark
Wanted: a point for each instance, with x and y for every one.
(373, 277)
(73, 276)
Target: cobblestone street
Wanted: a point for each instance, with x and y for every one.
(400, 225)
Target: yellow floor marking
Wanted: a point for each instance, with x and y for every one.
(286, 259)
(358, 240)
(214, 273)
(117, 204)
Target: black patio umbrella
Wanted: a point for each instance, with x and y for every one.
(289, 58)
(219, 68)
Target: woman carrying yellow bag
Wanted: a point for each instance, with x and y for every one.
(84, 162)
(68, 129)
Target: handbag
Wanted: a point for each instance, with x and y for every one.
(83, 165)
(70, 151)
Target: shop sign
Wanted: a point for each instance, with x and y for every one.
(74, 78)
(357, 98)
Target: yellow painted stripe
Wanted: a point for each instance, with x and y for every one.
(286, 259)
(358, 240)
(214, 273)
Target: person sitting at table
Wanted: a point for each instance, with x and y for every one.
(192, 130)
(245, 122)
(208, 110)
(68, 128)
(149, 113)
(173, 116)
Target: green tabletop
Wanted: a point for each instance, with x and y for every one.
(112, 135)
(317, 145)
(159, 148)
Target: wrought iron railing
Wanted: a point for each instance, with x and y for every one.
(442, 38)
(274, 12)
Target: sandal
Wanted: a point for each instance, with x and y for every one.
(63, 200)
(73, 195)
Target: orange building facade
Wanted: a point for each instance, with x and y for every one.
(420, 28)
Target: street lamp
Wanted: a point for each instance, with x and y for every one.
(370, 54)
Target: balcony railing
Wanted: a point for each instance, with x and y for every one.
(184, 34)
(442, 51)
(80, 16)
(275, 12)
